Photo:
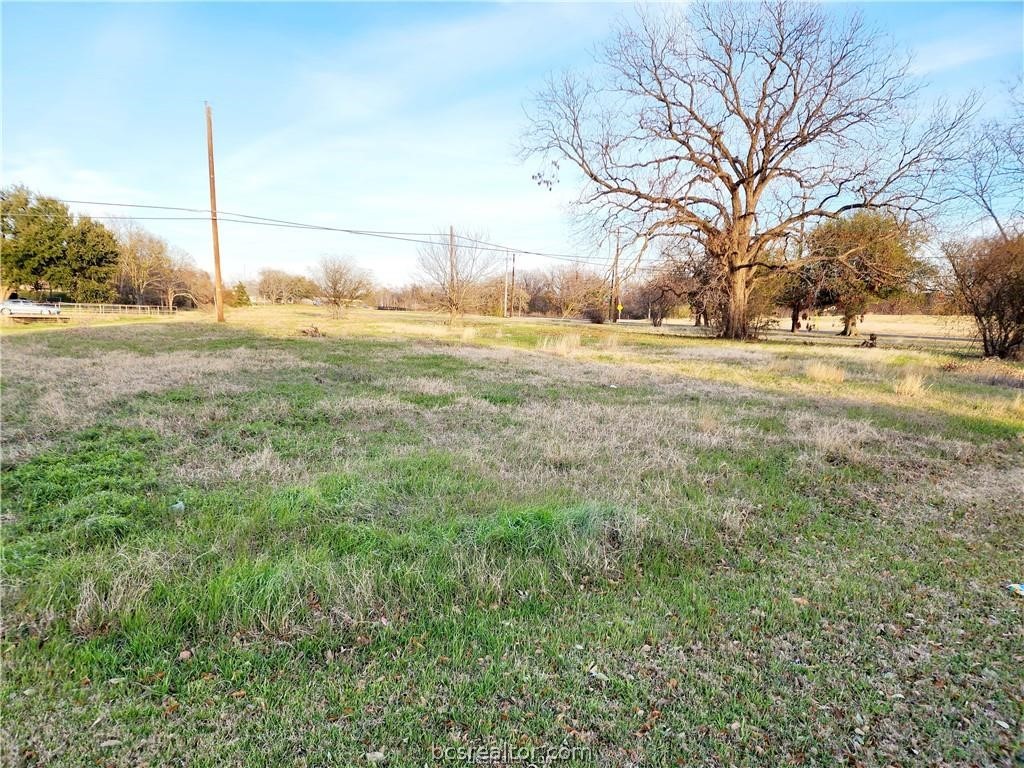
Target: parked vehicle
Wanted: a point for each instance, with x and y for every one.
(26, 307)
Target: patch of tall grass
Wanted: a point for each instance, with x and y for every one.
(824, 373)
(910, 384)
(565, 345)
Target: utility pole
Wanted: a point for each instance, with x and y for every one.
(513, 285)
(504, 302)
(613, 298)
(617, 283)
(218, 286)
(451, 274)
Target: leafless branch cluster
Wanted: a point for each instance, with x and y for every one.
(150, 269)
(991, 177)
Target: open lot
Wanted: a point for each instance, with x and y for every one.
(238, 546)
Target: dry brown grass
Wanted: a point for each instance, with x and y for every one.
(584, 447)
(911, 384)
(1016, 406)
(935, 326)
(118, 586)
(823, 373)
(565, 345)
(832, 438)
(426, 385)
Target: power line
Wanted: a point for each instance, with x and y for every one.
(483, 244)
(234, 217)
(206, 211)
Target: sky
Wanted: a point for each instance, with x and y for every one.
(396, 117)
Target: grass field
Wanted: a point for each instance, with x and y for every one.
(238, 546)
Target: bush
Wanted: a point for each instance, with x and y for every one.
(594, 315)
(988, 275)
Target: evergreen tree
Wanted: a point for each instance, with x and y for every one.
(241, 295)
(44, 247)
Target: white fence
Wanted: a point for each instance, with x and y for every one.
(113, 309)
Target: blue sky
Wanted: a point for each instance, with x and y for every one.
(389, 116)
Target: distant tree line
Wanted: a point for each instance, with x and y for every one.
(336, 282)
(49, 252)
(52, 253)
(855, 264)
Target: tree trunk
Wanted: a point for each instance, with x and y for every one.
(735, 324)
(795, 317)
(849, 326)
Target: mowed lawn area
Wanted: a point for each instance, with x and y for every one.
(236, 545)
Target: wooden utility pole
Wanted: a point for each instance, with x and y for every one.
(218, 286)
(504, 300)
(513, 286)
(613, 298)
(452, 286)
(617, 284)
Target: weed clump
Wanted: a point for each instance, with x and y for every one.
(824, 374)
(911, 384)
(565, 345)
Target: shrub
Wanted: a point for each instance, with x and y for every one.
(988, 276)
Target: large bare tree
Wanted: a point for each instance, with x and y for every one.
(737, 124)
(457, 267)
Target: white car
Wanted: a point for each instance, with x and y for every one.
(26, 307)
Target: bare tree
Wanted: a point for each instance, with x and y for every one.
(143, 263)
(662, 292)
(536, 285)
(181, 278)
(457, 267)
(991, 177)
(737, 124)
(280, 287)
(341, 282)
(577, 289)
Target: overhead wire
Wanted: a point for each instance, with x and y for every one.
(388, 234)
(233, 217)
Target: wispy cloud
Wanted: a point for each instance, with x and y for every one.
(955, 51)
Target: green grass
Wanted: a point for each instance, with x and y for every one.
(399, 542)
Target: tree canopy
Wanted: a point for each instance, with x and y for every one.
(46, 247)
(857, 259)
